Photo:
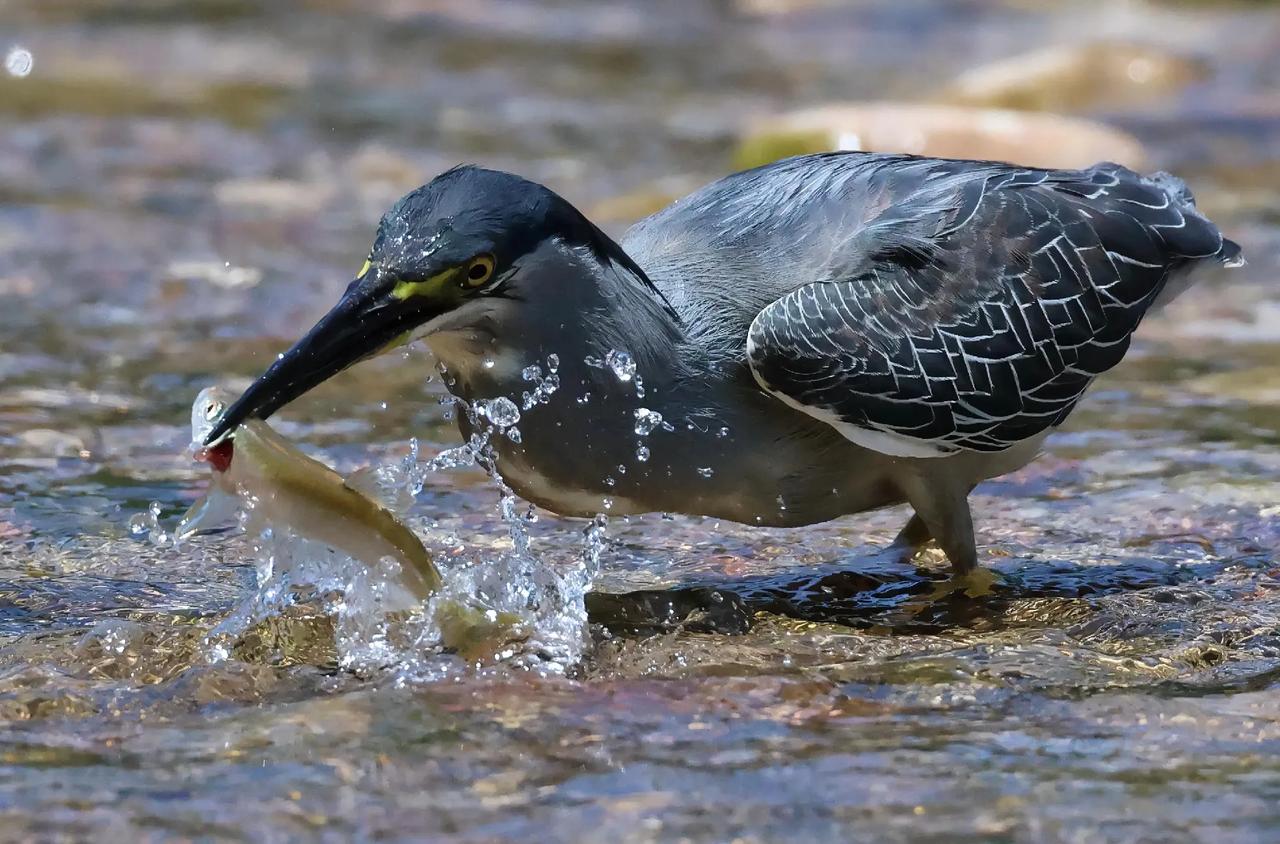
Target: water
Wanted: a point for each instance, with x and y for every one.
(1117, 682)
(646, 421)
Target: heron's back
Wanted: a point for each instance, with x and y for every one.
(725, 252)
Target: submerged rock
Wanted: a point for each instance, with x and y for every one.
(1041, 140)
(1077, 77)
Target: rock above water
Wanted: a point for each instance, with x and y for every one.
(1077, 77)
(1042, 140)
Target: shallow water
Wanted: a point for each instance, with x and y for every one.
(185, 187)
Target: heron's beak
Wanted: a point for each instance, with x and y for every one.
(367, 320)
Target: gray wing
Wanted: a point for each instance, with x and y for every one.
(926, 306)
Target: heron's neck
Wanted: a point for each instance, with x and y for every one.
(631, 315)
(587, 307)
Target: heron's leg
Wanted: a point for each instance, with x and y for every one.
(942, 505)
(913, 536)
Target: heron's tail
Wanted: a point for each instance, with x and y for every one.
(1228, 254)
(1231, 255)
(1201, 243)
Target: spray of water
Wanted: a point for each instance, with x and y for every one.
(526, 610)
(535, 602)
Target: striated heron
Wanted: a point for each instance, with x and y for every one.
(821, 336)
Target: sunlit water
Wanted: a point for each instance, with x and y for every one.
(184, 188)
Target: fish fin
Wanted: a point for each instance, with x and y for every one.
(212, 511)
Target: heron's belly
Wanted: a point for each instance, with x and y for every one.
(564, 498)
(782, 485)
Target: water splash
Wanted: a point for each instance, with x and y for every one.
(622, 364)
(502, 412)
(623, 367)
(646, 421)
(147, 525)
(496, 605)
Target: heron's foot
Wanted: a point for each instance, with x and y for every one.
(913, 537)
(901, 553)
(975, 583)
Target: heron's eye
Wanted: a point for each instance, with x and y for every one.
(479, 271)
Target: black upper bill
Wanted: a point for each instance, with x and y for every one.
(357, 327)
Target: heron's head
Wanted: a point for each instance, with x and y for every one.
(474, 252)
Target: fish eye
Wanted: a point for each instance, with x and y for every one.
(479, 271)
(211, 410)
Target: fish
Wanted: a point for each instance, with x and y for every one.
(254, 464)
(286, 488)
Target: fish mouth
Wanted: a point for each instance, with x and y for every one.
(218, 455)
(358, 327)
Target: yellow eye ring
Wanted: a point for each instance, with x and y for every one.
(479, 271)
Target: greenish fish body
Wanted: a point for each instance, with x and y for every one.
(288, 489)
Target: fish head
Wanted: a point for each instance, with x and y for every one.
(220, 502)
(205, 411)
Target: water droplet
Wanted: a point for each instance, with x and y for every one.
(490, 363)
(646, 421)
(531, 373)
(19, 62)
(139, 524)
(514, 435)
(584, 398)
(642, 454)
(722, 433)
(782, 505)
(622, 470)
(667, 517)
(706, 471)
(155, 509)
(382, 405)
(608, 503)
(622, 364)
(639, 387)
(501, 411)
(609, 481)
(553, 362)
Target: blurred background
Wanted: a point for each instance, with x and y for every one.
(185, 185)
